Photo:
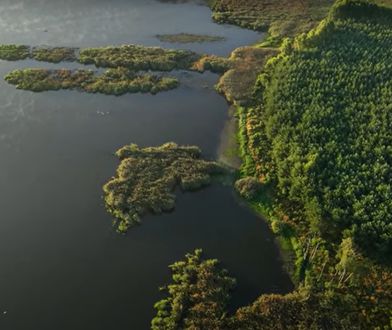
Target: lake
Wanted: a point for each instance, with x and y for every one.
(63, 266)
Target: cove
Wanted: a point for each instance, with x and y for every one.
(63, 266)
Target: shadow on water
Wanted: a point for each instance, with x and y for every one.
(62, 265)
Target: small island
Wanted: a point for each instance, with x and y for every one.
(112, 82)
(139, 58)
(147, 177)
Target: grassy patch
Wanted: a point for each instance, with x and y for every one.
(14, 52)
(112, 82)
(146, 179)
(186, 38)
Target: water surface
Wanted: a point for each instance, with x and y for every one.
(62, 264)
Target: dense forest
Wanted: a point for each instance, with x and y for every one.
(316, 143)
(327, 124)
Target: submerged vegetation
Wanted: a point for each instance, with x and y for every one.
(112, 82)
(139, 58)
(186, 38)
(146, 180)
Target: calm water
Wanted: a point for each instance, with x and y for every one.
(61, 264)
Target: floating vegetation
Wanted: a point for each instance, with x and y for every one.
(113, 81)
(186, 38)
(54, 54)
(14, 52)
(139, 58)
(146, 180)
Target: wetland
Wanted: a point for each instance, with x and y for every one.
(64, 264)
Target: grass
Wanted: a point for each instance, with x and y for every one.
(112, 82)
(146, 179)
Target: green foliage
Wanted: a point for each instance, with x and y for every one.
(146, 179)
(112, 82)
(14, 52)
(138, 58)
(298, 310)
(327, 120)
(197, 298)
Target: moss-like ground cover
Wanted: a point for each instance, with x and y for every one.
(185, 38)
(14, 52)
(112, 82)
(136, 57)
(147, 177)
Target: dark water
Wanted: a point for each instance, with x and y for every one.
(61, 264)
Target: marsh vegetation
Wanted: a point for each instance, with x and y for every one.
(146, 179)
(14, 52)
(138, 58)
(54, 54)
(112, 82)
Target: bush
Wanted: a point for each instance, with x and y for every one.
(248, 187)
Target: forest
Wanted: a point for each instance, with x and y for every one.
(327, 124)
